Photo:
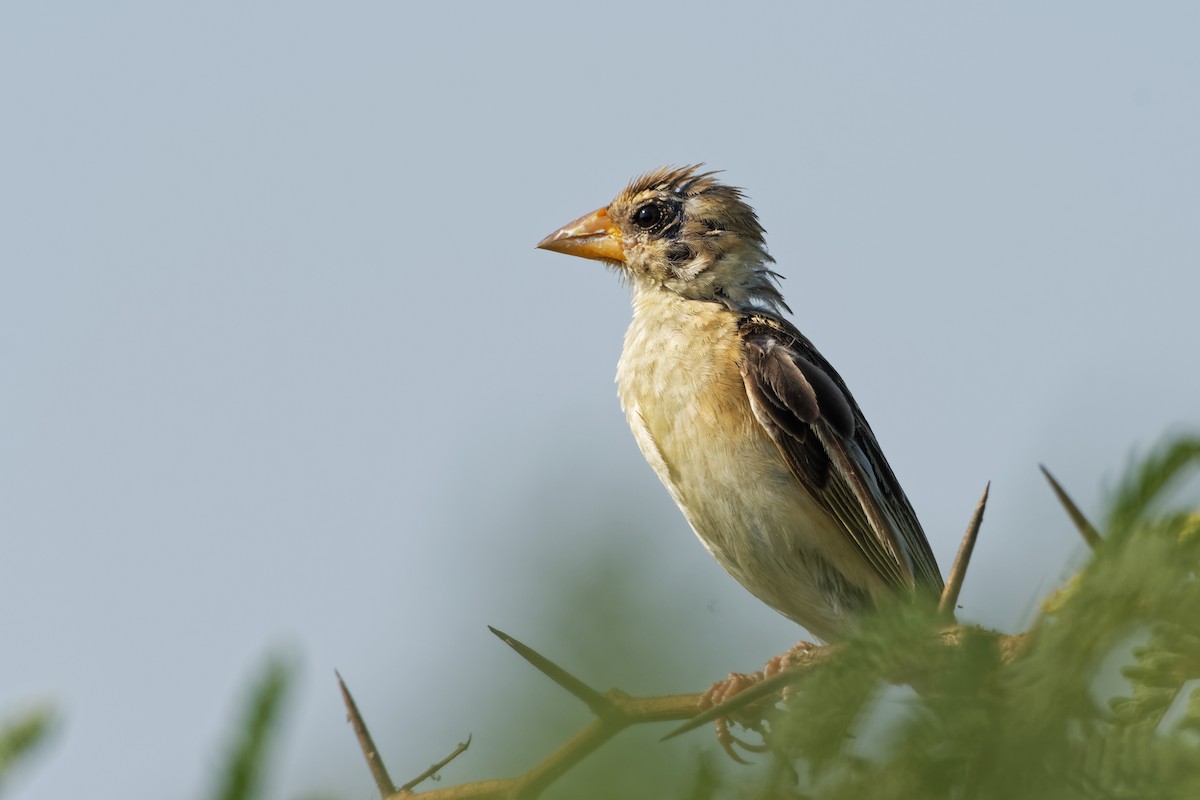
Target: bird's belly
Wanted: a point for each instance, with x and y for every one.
(693, 422)
(757, 521)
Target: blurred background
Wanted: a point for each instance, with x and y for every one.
(280, 367)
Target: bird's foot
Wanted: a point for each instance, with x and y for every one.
(750, 717)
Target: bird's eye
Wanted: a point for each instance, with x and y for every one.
(648, 216)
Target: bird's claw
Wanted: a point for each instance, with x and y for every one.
(751, 717)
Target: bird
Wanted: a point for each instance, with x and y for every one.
(750, 429)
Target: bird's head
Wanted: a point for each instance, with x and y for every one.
(679, 230)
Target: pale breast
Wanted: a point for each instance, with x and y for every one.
(682, 391)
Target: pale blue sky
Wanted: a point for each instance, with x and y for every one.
(279, 362)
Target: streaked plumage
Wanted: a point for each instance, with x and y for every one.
(752, 432)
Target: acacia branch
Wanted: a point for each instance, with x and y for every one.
(615, 711)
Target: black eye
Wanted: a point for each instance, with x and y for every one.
(648, 216)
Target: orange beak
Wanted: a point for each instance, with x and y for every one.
(591, 236)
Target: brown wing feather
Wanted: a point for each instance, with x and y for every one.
(805, 407)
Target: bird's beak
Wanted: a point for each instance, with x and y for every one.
(591, 236)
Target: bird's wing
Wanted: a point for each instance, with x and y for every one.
(805, 407)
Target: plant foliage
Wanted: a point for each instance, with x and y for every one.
(1097, 700)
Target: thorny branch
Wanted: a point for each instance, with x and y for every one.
(615, 710)
(614, 713)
